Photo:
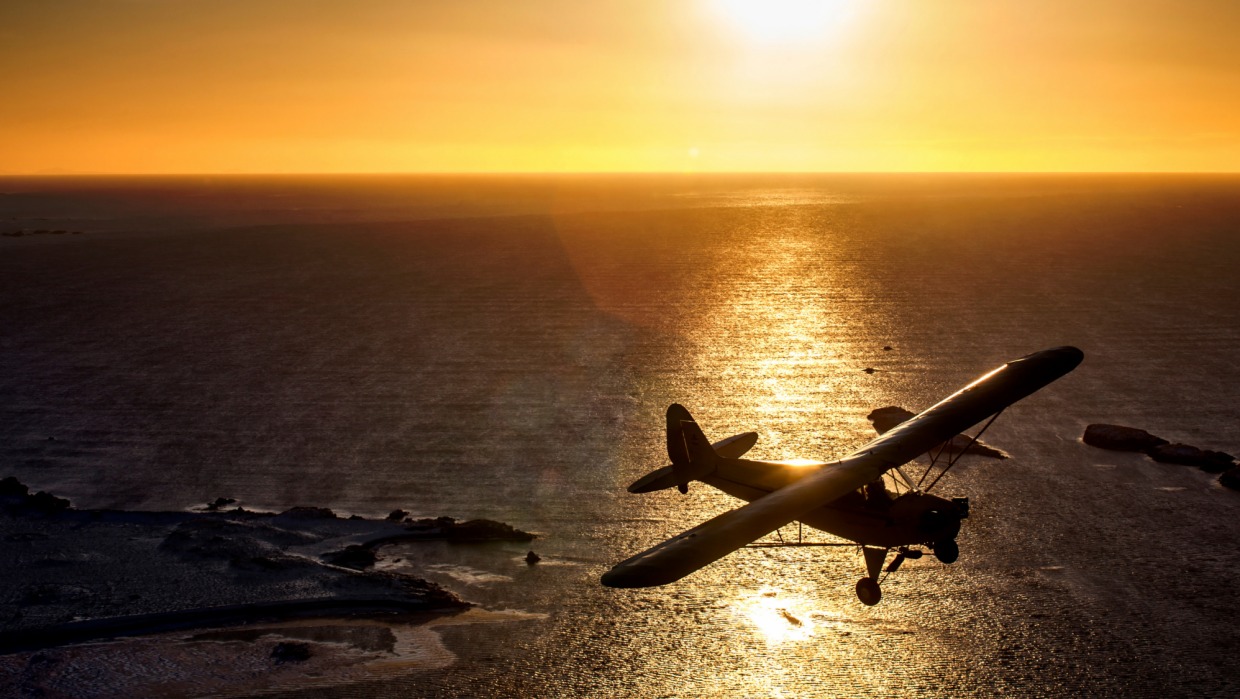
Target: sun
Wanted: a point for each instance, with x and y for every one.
(784, 21)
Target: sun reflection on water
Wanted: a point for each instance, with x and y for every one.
(778, 619)
(799, 462)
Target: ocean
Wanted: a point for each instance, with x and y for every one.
(506, 346)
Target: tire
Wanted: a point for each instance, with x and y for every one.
(947, 551)
(869, 592)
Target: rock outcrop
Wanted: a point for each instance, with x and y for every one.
(46, 502)
(11, 487)
(15, 497)
(308, 513)
(1120, 438)
(219, 502)
(1206, 460)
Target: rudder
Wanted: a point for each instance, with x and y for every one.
(691, 453)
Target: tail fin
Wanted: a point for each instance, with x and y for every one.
(691, 454)
(733, 447)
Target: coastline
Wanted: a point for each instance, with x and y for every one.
(82, 575)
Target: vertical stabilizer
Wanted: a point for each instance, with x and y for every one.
(701, 453)
(691, 454)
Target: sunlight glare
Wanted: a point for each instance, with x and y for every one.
(800, 463)
(784, 21)
(777, 620)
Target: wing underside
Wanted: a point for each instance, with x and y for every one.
(708, 542)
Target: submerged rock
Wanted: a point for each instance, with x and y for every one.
(532, 558)
(354, 556)
(1231, 478)
(1120, 438)
(885, 419)
(487, 529)
(397, 515)
(309, 513)
(961, 443)
(1206, 460)
(289, 652)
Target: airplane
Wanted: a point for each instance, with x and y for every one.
(846, 498)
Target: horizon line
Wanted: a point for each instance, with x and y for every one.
(479, 173)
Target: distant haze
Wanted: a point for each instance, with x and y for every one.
(271, 86)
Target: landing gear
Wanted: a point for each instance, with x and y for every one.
(947, 551)
(868, 591)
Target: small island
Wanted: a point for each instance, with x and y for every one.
(74, 575)
(1122, 438)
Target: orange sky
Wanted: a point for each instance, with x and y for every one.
(258, 86)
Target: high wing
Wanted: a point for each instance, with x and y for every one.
(708, 542)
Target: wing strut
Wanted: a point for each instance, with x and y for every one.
(952, 462)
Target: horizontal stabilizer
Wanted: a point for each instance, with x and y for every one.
(736, 446)
(660, 479)
(733, 447)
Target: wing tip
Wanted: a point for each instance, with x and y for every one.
(631, 576)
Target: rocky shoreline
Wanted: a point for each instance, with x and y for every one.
(74, 575)
(1132, 439)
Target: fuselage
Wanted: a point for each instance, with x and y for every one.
(910, 519)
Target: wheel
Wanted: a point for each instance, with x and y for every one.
(868, 591)
(947, 551)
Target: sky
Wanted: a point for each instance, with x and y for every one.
(290, 86)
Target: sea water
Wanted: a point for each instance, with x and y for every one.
(505, 347)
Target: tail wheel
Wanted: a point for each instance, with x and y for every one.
(947, 551)
(868, 591)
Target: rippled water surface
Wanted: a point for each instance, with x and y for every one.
(506, 348)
